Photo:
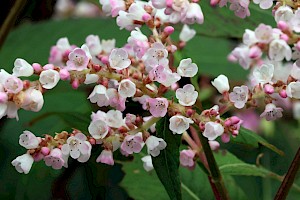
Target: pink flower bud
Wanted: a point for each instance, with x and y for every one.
(283, 93)
(169, 30)
(3, 97)
(269, 89)
(214, 2)
(146, 17)
(92, 141)
(235, 133)
(45, 151)
(225, 138)
(214, 145)
(104, 60)
(284, 37)
(227, 122)
(75, 84)
(235, 119)
(37, 157)
(169, 3)
(64, 74)
(37, 67)
(255, 52)
(282, 25)
(173, 48)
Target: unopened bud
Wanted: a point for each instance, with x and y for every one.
(283, 94)
(284, 37)
(64, 74)
(255, 52)
(269, 89)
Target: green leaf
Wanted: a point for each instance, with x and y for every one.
(74, 120)
(221, 22)
(229, 164)
(196, 185)
(167, 163)
(250, 138)
(151, 187)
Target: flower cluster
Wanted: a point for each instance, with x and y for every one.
(143, 71)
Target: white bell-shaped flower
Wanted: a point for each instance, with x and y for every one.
(49, 78)
(179, 124)
(93, 42)
(77, 147)
(147, 163)
(221, 83)
(98, 129)
(186, 33)
(118, 59)
(279, 49)
(114, 118)
(99, 96)
(33, 100)
(187, 95)
(23, 163)
(284, 13)
(295, 71)
(186, 68)
(91, 78)
(264, 73)
(293, 90)
(213, 130)
(28, 140)
(126, 88)
(155, 145)
(22, 68)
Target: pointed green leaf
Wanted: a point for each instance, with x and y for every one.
(250, 138)
(74, 120)
(229, 164)
(167, 163)
(221, 22)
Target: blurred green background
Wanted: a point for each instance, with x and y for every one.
(31, 38)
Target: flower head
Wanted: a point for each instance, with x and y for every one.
(187, 158)
(106, 157)
(147, 163)
(49, 78)
(239, 96)
(186, 68)
(155, 145)
(158, 106)
(55, 159)
(28, 140)
(23, 163)
(78, 60)
(118, 59)
(187, 95)
(22, 68)
(221, 83)
(213, 130)
(132, 143)
(272, 112)
(126, 88)
(179, 124)
(77, 147)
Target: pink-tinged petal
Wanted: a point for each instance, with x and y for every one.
(84, 147)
